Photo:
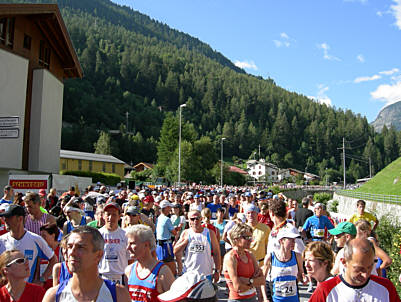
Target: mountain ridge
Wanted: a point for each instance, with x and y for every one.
(388, 116)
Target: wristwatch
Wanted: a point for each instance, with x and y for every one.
(250, 282)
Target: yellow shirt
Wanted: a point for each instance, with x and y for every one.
(260, 236)
(367, 216)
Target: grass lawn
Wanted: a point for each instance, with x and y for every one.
(387, 181)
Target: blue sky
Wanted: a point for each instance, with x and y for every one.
(345, 53)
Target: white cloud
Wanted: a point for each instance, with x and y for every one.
(388, 94)
(284, 36)
(379, 76)
(367, 79)
(360, 58)
(396, 11)
(326, 54)
(390, 72)
(246, 65)
(285, 40)
(380, 13)
(321, 97)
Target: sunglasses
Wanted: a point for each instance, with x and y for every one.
(18, 261)
(247, 237)
(132, 215)
(194, 218)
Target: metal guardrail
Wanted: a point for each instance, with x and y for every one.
(371, 196)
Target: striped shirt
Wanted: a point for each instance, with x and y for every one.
(34, 225)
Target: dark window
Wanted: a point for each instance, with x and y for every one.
(104, 167)
(27, 42)
(7, 31)
(79, 164)
(90, 165)
(113, 168)
(44, 55)
(64, 166)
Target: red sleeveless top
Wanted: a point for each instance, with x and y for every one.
(245, 270)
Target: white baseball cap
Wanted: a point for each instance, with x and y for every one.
(288, 232)
(190, 285)
(165, 204)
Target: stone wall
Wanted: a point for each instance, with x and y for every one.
(347, 207)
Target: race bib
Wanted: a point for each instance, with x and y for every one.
(285, 288)
(197, 248)
(318, 233)
(111, 253)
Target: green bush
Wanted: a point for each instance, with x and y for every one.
(322, 197)
(389, 237)
(109, 179)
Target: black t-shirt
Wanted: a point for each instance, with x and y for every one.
(301, 215)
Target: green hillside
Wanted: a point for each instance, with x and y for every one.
(136, 65)
(387, 181)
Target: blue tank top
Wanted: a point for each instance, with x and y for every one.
(284, 277)
(70, 227)
(144, 290)
(64, 273)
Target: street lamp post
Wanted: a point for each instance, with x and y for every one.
(179, 147)
(221, 162)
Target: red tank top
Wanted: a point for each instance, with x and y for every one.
(245, 270)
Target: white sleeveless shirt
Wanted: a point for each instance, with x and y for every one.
(198, 253)
(103, 296)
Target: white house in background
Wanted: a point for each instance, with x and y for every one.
(310, 176)
(289, 173)
(259, 170)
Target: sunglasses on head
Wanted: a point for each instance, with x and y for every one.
(194, 218)
(18, 261)
(133, 215)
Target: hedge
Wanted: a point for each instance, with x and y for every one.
(109, 179)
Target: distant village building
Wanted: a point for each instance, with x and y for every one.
(235, 169)
(289, 174)
(83, 161)
(36, 55)
(259, 170)
(142, 167)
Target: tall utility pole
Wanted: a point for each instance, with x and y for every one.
(127, 114)
(344, 162)
(179, 147)
(259, 151)
(221, 162)
(370, 167)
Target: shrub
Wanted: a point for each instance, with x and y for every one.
(389, 236)
(322, 197)
(109, 179)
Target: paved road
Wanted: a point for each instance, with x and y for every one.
(223, 293)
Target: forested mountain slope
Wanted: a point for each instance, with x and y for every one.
(134, 64)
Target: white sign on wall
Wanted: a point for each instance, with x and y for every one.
(9, 121)
(9, 133)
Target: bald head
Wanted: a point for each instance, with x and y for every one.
(358, 245)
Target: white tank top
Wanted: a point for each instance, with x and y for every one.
(198, 254)
(103, 296)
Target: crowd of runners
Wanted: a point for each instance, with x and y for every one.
(177, 243)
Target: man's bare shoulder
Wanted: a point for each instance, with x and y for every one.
(50, 295)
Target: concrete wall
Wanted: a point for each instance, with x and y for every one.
(13, 82)
(347, 207)
(46, 118)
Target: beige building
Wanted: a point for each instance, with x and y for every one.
(36, 55)
(83, 161)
